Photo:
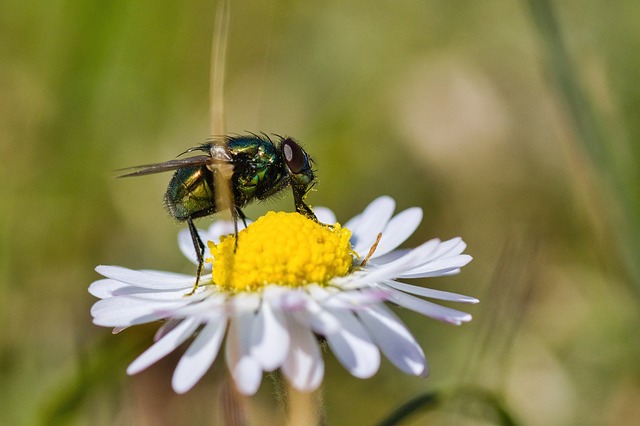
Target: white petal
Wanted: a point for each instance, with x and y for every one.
(319, 293)
(430, 259)
(389, 257)
(294, 300)
(243, 303)
(219, 228)
(122, 322)
(164, 273)
(449, 248)
(381, 202)
(353, 222)
(127, 311)
(107, 288)
(433, 294)
(399, 228)
(353, 300)
(223, 227)
(319, 319)
(373, 221)
(393, 338)
(154, 281)
(438, 267)
(303, 366)
(165, 328)
(270, 337)
(353, 346)
(306, 309)
(445, 272)
(180, 297)
(430, 309)
(208, 309)
(416, 256)
(200, 355)
(164, 346)
(325, 215)
(244, 369)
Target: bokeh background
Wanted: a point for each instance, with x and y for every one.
(511, 123)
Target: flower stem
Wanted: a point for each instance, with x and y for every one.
(303, 408)
(232, 404)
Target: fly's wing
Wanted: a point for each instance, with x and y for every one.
(220, 160)
(179, 163)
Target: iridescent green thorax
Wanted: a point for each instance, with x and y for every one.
(258, 169)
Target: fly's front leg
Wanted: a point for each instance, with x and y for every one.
(299, 194)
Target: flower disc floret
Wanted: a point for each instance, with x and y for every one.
(281, 248)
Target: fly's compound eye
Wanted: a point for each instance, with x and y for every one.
(294, 156)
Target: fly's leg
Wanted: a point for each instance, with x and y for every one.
(299, 194)
(304, 209)
(237, 213)
(242, 216)
(198, 245)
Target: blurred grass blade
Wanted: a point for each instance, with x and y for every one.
(421, 402)
(506, 303)
(478, 398)
(232, 404)
(567, 80)
(488, 399)
(609, 159)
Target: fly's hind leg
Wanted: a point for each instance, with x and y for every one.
(198, 245)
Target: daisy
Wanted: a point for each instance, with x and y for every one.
(289, 281)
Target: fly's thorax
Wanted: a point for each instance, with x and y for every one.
(258, 171)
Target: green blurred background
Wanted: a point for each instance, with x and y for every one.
(510, 124)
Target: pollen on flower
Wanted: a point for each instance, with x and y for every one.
(288, 249)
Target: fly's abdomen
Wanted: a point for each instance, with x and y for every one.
(190, 193)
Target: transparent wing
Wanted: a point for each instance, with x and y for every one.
(179, 163)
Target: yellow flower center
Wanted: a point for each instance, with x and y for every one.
(288, 249)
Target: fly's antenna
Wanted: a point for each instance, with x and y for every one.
(222, 171)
